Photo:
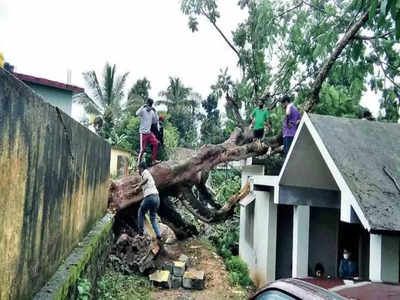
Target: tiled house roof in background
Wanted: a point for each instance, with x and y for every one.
(361, 149)
(49, 83)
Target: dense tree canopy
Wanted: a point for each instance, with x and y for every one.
(137, 95)
(326, 53)
(211, 126)
(182, 106)
(282, 46)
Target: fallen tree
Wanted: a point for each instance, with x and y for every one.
(180, 178)
(185, 179)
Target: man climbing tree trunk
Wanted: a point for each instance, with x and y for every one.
(311, 50)
(178, 178)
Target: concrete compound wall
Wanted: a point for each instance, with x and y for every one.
(53, 187)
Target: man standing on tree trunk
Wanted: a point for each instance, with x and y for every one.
(290, 123)
(151, 201)
(259, 120)
(147, 118)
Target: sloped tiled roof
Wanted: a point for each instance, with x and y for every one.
(361, 150)
(50, 83)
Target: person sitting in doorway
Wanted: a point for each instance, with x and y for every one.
(319, 270)
(347, 268)
(259, 120)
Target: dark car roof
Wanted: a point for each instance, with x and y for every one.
(324, 289)
(300, 289)
(363, 290)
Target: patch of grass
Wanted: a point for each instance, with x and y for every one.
(115, 285)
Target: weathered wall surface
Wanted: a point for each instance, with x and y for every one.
(87, 261)
(56, 97)
(116, 155)
(53, 187)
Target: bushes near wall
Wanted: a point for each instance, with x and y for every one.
(225, 236)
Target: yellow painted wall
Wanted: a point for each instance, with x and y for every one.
(114, 159)
(54, 180)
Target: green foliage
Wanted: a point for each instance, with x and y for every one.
(211, 127)
(335, 101)
(225, 236)
(282, 45)
(390, 103)
(137, 95)
(115, 285)
(239, 273)
(381, 8)
(84, 289)
(182, 107)
(228, 188)
(104, 96)
(171, 138)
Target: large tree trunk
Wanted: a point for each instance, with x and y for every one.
(178, 178)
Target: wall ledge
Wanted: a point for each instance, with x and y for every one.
(85, 261)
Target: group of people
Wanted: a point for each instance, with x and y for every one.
(260, 121)
(151, 131)
(347, 267)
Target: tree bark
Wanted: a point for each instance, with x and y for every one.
(177, 178)
(323, 73)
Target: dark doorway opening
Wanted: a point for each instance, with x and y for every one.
(355, 238)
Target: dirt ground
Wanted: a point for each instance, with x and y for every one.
(201, 257)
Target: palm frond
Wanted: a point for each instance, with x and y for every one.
(119, 88)
(93, 84)
(108, 83)
(90, 105)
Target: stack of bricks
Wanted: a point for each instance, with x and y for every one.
(175, 275)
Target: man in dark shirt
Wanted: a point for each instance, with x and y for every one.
(347, 268)
(290, 123)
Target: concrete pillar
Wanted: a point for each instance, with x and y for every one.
(384, 258)
(301, 230)
(272, 210)
(265, 233)
(251, 170)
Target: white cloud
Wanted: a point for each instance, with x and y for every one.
(148, 38)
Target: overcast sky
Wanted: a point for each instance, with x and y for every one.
(148, 38)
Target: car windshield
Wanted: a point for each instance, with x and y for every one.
(274, 295)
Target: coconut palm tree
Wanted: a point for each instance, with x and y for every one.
(178, 98)
(182, 104)
(104, 97)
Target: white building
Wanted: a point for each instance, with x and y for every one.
(337, 189)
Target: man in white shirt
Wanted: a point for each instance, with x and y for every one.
(147, 116)
(151, 201)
